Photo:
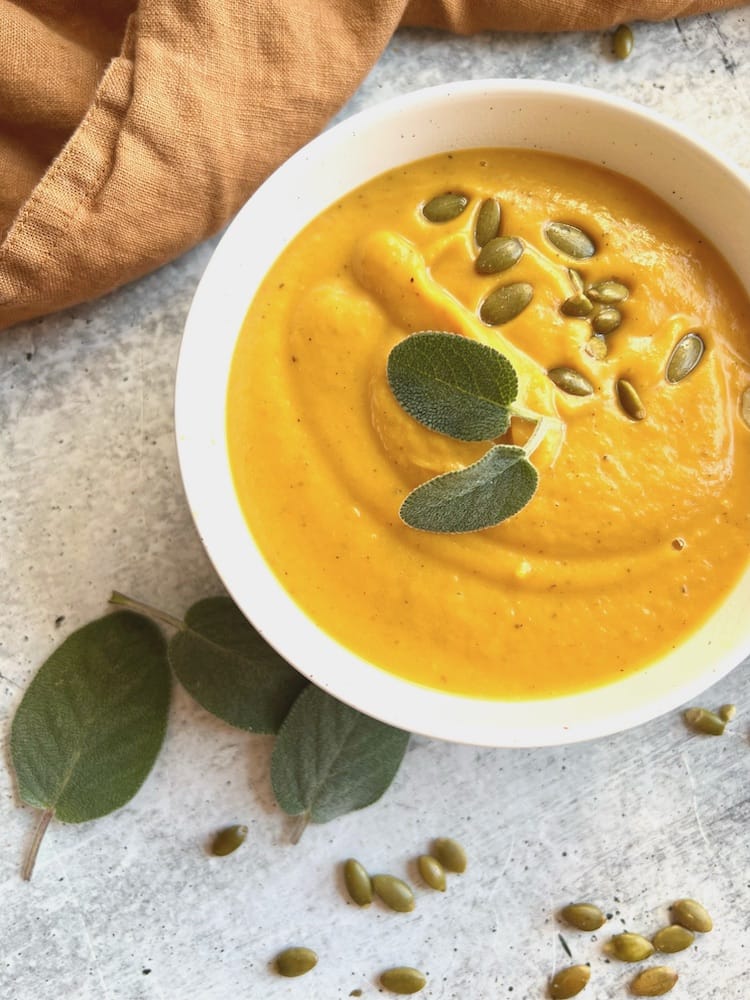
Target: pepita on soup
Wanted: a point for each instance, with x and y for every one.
(505, 303)
(445, 207)
(487, 226)
(685, 357)
(570, 240)
(571, 381)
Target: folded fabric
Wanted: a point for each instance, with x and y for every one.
(129, 131)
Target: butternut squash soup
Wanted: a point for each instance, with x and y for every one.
(628, 334)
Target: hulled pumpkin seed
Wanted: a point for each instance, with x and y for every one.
(689, 913)
(450, 854)
(228, 840)
(576, 280)
(596, 347)
(653, 982)
(569, 982)
(487, 225)
(630, 401)
(358, 882)
(622, 42)
(571, 381)
(570, 240)
(629, 947)
(445, 207)
(727, 712)
(703, 721)
(606, 320)
(607, 292)
(403, 980)
(394, 892)
(685, 357)
(584, 916)
(505, 303)
(576, 305)
(295, 962)
(498, 255)
(431, 871)
(745, 406)
(673, 938)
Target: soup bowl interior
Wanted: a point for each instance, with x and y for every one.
(560, 119)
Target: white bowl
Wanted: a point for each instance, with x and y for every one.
(538, 115)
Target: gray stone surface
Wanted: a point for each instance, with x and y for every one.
(130, 907)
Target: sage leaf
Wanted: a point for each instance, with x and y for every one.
(92, 721)
(230, 669)
(330, 759)
(480, 496)
(453, 385)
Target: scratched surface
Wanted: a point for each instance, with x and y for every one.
(130, 907)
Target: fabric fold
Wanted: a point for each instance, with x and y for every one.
(131, 131)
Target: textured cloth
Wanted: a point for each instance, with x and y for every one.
(129, 130)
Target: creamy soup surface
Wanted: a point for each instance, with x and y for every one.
(638, 528)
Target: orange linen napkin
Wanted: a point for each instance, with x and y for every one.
(130, 130)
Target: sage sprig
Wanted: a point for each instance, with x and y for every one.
(90, 726)
(466, 390)
(330, 759)
(91, 723)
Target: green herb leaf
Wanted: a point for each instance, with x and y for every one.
(230, 669)
(92, 721)
(453, 385)
(482, 495)
(330, 759)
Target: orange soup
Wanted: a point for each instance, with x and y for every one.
(641, 520)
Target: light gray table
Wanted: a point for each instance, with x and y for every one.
(131, 906)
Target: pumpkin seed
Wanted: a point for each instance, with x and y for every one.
(569, 982)
(394, 892)
(487, 225)
(607, 292)
(745, 406)
(629, 947)
(358, 882)
(450, 854)
(689, 913)
(431, 871)
(570, 240)
(622, 42)
(685, 357)
(703, 721)
(606, 320)
(576, 305)
(498, 254)
(584, 916)
(445, 207)
(673, 938)
(505, 303)
(630, 401)
(596, 347)
(295, 962)
(403, 980)
(228, 840)
(576, 280)
(571, 381)
(653, 982)
(727, 712)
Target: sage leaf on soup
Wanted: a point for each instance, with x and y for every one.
(92, 721)
(480, 496)
(330, 759)
(453, 385)
(230, 669)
